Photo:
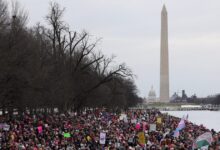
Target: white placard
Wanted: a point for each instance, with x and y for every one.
(102, 138)
(152, 127)
(134, 121)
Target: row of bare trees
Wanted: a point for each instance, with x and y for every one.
(214, 100)
(55, 67)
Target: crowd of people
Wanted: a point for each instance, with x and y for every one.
(99, 129)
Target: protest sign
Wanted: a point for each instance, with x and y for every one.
(159, 120)
(134, 121)
(46, 125)
(67, 135)
(141, 138)
(138, 126)
(6, 127)
(152, 127)
(122, 116)
(102, 138)
(144, 124)
(40, 129)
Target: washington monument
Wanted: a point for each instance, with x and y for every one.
(164, 58)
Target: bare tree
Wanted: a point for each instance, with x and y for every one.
(3, 14)
(56, 67)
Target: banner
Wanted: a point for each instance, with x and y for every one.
(141, 138)
(153, 127)
(203, 140)
(126, 119)
(102, 138)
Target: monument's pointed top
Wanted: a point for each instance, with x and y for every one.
(164, 8)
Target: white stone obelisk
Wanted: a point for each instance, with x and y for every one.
(164, 58)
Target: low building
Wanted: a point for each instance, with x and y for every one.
(152, 97)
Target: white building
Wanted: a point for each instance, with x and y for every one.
(152, 97)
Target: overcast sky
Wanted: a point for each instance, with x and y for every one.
(131, 30)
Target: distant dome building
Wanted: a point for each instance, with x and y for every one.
(152, 95)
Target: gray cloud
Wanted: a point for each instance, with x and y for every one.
(131, 30)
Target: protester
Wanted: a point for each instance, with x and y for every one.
(98, 129)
